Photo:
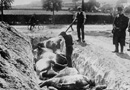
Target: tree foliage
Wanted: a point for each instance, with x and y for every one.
(91, 5)
(6, 4)
(75, 1)
(119, 2)
(106, 8)
(52, 4)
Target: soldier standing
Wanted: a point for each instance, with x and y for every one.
(119, 30)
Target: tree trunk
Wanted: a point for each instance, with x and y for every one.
(82, 5)
(1, 10)
(53, 19)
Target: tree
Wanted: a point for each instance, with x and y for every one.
(106, 8)
(91, 5)
(119, 2)
(75, 3)
(83, 5)
(5, 4)
(52, 5)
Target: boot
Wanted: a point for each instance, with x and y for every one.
(122, 48)
(116, 48)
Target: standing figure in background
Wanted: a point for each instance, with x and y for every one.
(119, 30)
(32, 22)
(81, 18)
(69, 47)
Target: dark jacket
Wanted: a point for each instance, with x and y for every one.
(69, 48)
(121, 22)
(68, 40)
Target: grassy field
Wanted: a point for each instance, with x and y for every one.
(44, 12)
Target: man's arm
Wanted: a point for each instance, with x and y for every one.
(84, 17)
(114, 26)
(115, 23)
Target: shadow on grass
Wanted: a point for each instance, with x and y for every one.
(83, 44)
(99, 33)
(124, 55)
(55, 26)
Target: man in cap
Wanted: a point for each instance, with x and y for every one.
(119, 30)
(81, 18)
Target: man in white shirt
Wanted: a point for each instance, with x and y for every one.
(81, 18)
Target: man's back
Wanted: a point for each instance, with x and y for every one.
(68, 40)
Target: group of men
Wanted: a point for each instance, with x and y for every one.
(120, 24)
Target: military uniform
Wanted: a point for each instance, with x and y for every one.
(121, 23)
(119, 30)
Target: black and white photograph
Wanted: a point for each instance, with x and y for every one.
(64, 44)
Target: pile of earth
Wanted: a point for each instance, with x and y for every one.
(16, 60)
(17, 71)
(101, 65)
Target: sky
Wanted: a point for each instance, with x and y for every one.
(21, 2)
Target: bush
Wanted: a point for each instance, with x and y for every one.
(59, 19)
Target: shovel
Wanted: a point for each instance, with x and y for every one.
(70, 26)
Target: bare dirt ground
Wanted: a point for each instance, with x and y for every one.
(97, 35)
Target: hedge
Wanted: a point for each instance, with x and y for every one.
(59, 19)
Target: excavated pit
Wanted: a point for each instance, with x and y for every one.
(99, 65)
(17, 71)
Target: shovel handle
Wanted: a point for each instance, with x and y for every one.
(70, 26)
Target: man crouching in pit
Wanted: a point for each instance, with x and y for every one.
(69, 47)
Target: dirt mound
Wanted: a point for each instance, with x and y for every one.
(16, 61)
(95, 59)
(102, 66)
